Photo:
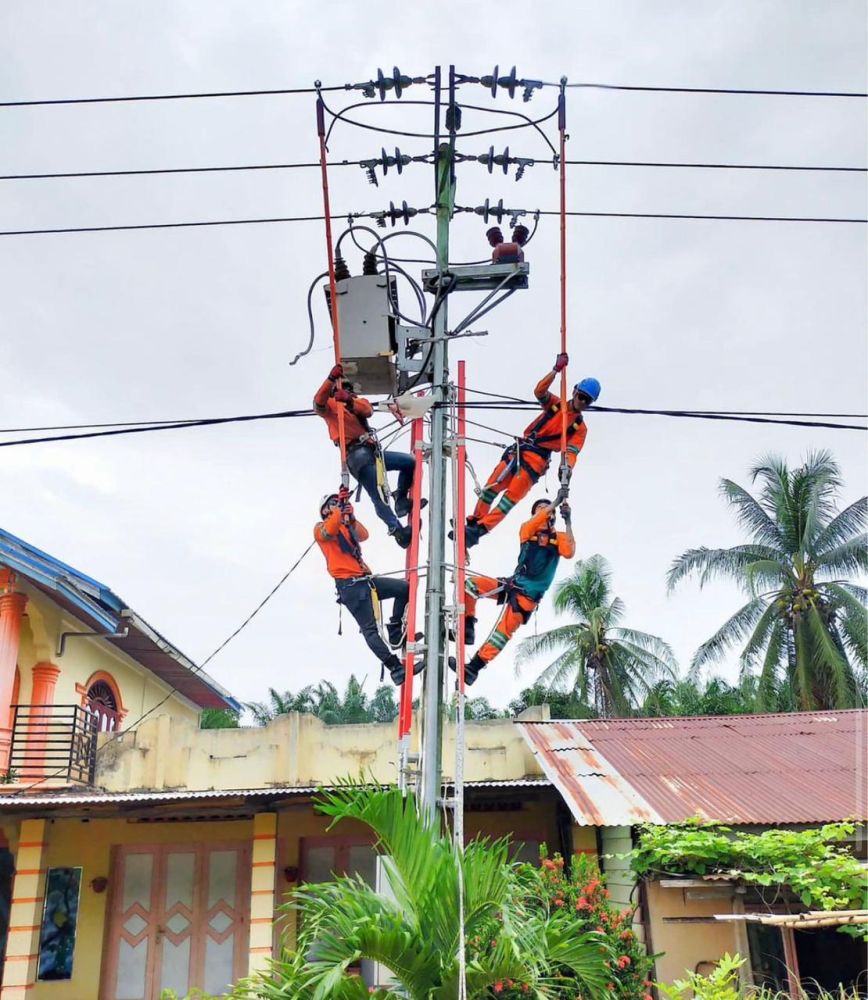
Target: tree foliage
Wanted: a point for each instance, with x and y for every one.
(598, 661)
(416, 934)
(811, 863)
(325, 702)
(803, 629)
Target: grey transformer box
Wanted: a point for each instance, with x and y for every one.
(376, 350)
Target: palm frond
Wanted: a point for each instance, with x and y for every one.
(847, 557)
(757, 641)
(844, 526)
(768, 678)
(710, 564)
(572, 636)
(733, 629)
(751, 515)
(567, 672)
(831, 663)
(652, 644)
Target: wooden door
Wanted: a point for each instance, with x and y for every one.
(178, 920)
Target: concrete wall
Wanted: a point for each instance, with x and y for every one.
(689, 946)
(171, 752)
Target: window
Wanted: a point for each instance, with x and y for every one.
(101, 703)
(324, 857)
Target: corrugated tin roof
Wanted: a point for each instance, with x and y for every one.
(97, 607)
(59, 799)
(800, 767)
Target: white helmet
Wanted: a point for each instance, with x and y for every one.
(325, 501)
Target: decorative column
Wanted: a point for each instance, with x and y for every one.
(262, 881)
(39, 727)
(12, 606)
(28, 892)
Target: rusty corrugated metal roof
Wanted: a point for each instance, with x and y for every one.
(799, 767)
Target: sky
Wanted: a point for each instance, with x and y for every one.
(194, 527)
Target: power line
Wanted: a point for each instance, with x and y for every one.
(169, 97)
(319, 218)
(712, 90)
(707, 166)
(352, 163)
(508, 404)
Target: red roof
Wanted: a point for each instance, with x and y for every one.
(800, 767)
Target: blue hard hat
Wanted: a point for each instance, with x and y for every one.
(589, 387)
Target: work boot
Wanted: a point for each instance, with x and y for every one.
(404, 506)
(402, 535)
(473, 531)
(395, 633)
(469, 630)
(471, 668)
(397, 671)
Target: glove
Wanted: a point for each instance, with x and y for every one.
(347, 511)
(342, 396)
(336, 372)
(561, 361)
(566, 512)
(343, 494)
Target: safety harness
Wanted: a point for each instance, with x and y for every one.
(369, 440)
(537, 444)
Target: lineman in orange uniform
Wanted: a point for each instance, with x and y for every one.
(542, 547)
(523, 463)
(336, 393)
(339, 535)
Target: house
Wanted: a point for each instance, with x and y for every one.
(139, 852)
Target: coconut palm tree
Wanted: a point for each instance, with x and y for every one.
(325, 702)
(804, 625)
(416, 930)
(604, 665)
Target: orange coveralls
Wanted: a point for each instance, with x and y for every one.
(521, 593)
(519, 468)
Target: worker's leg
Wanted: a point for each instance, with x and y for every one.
(357, 599)
(504, 629)
(518, 488)
(394, 589)
(477, 586)
(405, 466)
(497, 482)
(362, 464)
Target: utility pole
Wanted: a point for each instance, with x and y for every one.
(435, 584)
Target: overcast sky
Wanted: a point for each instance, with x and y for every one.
(194, 527)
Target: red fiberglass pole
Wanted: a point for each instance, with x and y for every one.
(562, 125)
(405, 713)
(336, 326)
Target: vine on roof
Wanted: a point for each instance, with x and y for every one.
(810, 863)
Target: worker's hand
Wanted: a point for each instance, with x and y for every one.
(343, 494)
(336, 372)
(566, 512)
(343, 396)
(562, 361)
(347, 511)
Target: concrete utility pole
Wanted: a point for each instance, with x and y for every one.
(435, 584)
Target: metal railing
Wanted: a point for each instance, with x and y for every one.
(54, 741)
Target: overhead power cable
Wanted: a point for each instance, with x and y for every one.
(520, 405)
(168, 97)
(356, 215)
(351, 163)
(713, 90)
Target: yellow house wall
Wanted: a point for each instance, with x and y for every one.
(44, 622)
(87, 844)
(687, 945)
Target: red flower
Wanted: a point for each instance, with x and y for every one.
(558, 902)
(647, 996)
(582, 903)
(498, 987)
(623, 961)
(626, 935)
(606, 893)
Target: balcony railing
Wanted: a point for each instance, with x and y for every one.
(54, 742)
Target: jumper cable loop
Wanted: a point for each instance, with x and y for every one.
(336, 326)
